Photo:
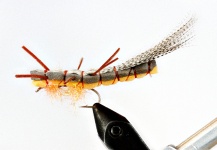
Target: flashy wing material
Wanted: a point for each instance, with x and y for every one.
(176, 40)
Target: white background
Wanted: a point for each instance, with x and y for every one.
(165, 108)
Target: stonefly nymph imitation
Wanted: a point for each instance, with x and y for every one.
(74, 82)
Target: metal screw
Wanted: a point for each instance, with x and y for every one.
(116, 131)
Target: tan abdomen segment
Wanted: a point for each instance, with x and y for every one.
(128, 74)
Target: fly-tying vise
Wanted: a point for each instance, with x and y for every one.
(73, 82)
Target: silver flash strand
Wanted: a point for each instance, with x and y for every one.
(176, 40)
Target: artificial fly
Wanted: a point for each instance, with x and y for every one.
(74, 82)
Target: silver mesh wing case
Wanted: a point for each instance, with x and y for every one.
(176, 40)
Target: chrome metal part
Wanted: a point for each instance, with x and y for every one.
(204, 139)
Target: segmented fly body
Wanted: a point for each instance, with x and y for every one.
(73, 82)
